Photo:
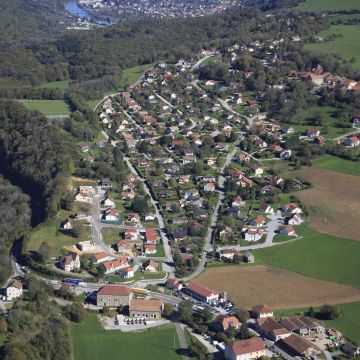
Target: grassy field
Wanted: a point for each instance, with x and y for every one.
(279, 288)
(316, 255)
(348, 323)
(90, 341)
(132, 74)
(50, 233)
(56, 84)
(334, 127)
(323, 5)
(335, 163)
(48, 107)
(343, 45)
(332, 202)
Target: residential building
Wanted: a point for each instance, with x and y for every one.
(253, 348)
(115, 265)
(150, 266)
(262, 311)
(148, 249)
(258, 222)
(296, 345)
(100, 258)
(86, 246)
(70, 262)
(173, 284)
(127, 273)
(296, 219)
(14, 290)
(114, 296)
(254, 234)
(223, 323)
(146, 309)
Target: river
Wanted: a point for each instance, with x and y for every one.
(73, 8)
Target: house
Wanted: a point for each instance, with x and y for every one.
(83, 197)
(108, 202)
(319, 140)
(70, 262)
(285, 155)
(86, 246)
(149, 217)
(266, 209)
(245, 182)
(173, 284)
(250, 349)
(200, 214)
(287, 230)
(296, 345)
(110, 214)
(257, 170)
(66, 225)
(258, 222)
(121, 246)
(291, 208)
(188, 159)
(296, 219)
(132, 234)
(127, 273)
(210, 187)
(14, 290)
(150, 236)
(262, 311)
(228, 254)
(191, 194)
(248, 257)
(100, 258)
(150, 266)
(351, 349)
(179, 234)
(185, 257)
(201, 292)
(223, 323)
(237, 201)
(272, 329)
(134, 218)
(312, 133)
(115, 265)
(254, 234)
(105, 183)
(209, 83)
(148, 249)
(226, 231)
(146, 309)
(352, 141)
(114, 296)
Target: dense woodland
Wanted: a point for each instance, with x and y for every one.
(35, 156)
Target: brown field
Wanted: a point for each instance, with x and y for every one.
(333, 202)
(280, 289)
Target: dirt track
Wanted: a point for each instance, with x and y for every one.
(280, 289)
(333, 202)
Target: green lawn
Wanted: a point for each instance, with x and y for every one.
(50, 233)
(323, 5)
(309, 121)
(348, 323)
(316, 255)
(90, 341)
(48, 107)
(111, 235)
(130, 75)
(337, 164)
(343, 45)
(93, 103)
(56, 84)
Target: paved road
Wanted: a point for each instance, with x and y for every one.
(182, 340)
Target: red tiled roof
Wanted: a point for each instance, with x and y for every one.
(115, 290)
(201, 290)
(248, 346)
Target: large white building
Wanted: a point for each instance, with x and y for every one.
(14, 290)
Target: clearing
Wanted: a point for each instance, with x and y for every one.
(316, 255)
(347, 323)
(323, 5)
(48, 107)
(279, 288)
(342, 45)
(63, 84)
(332, 202)
(335, 163)
(90, 341)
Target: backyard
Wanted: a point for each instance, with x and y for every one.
(90, 341)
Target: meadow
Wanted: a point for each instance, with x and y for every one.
(63, 84)
(90, 341)
(48, 107)
(316, 255)
(338, 164)
(343, 45)
(323, 5)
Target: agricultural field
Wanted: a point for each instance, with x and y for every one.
(48, 107)
(316, 255)
(332, 202)
(347, 323)
(279, 288)
(330, 120)
(50, 232)
(343, 45)
(335, 163)
(90, 341)
(323, 5)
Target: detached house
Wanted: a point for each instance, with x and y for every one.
(352, 141)
(250, 349)
(14, 290)
(266, 209)
(292, 208)
(296, 219)
(258, 222)
(115, 265)
(70, 262)
(110, 214)
(262, 311)
(254, 234)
